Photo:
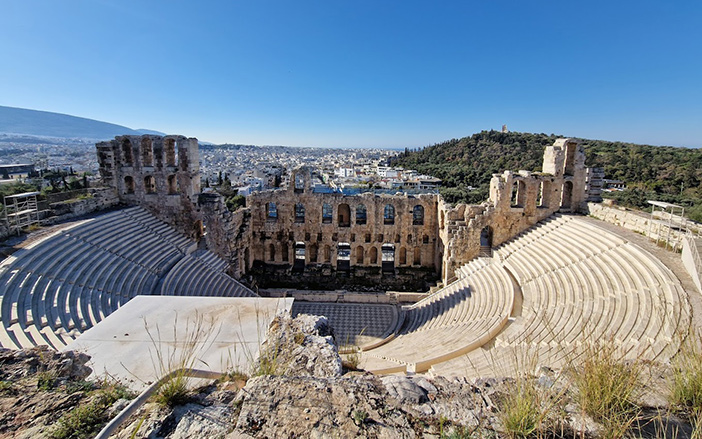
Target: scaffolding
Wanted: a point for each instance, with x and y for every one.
(21, 210)
(669, 217)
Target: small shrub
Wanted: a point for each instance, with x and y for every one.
(86, 420)
(236, 375)
(46, 380)
(457, 433)
(359, 416)
(268, 362)
(6, 387)
(173, 392)
(79, 386)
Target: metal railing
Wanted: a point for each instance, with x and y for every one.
(137, 402)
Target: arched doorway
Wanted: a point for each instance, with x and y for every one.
(567, 196)
(486, 241)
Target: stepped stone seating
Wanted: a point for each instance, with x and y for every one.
(454, 320)
(202, 274)
(58, 287)
(580, 283)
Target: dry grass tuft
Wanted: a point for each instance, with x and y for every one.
(607, 388)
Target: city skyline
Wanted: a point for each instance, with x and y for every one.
(362, 74)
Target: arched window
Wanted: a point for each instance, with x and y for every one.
(127, 152)
(373, 256)
(326, 213)
(129, 184)
(150, 184)
(514, 196)
(360, 214)
(299, 213)
(418, 215)
(147, 152)
(544, 192)
(272, 212)
(344, 215)
(172, 184)
(389, 214)
(425, 239)
(271, 252)
(359, 255)
(486, 237)
(299, 183)
(169, 149)
(567, 196)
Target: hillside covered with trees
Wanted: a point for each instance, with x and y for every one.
(650, 172)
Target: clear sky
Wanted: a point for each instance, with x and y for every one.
(342, 73)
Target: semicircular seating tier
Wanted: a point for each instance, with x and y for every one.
(56, 288)
(454, 320)
(581, 285)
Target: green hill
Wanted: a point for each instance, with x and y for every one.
(651, 172)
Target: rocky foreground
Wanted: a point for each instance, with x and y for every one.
(308, 393)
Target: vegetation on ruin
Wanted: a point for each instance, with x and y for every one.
(86, 420)
(608, 387)
(173, 359)
(650, 172)
(686, 380)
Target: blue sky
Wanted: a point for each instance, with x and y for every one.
(359, 73)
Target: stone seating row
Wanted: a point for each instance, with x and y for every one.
(56, 288)
(194, 275)
(452, 321)
(594, 286)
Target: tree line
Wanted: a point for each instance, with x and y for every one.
(466, 165)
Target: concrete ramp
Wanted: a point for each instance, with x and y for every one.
(142, 339)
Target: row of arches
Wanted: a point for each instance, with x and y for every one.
(518, 197)
(146, 150)
(312, 254)
(344, 214)
(172, 186)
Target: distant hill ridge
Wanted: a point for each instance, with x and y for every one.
(47, 124)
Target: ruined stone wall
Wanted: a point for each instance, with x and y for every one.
(640, 222)
(161, 174)
(517, 201)
(95, 199)
(298, 237)
(330, 220)
(228, 234)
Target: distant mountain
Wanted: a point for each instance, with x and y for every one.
(47, 124)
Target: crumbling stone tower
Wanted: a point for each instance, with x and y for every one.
(518, 200)
(159, 173)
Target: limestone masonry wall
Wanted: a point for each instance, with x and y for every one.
(96, 199)
(517, 201)
(162, 174)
